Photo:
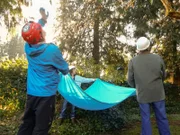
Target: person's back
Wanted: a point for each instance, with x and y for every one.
(146, 73)
(149, 74)
(44, 63)
(43, 68)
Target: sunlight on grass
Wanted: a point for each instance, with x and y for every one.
(174, 121)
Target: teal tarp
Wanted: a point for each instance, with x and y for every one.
(100, 95)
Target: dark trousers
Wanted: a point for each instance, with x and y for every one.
(64, 107)
(38, 115)
(161, 119)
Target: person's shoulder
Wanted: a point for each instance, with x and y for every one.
(155, 55)
(52, 49)
(26, 47)
(26, 44)
(52, 46)
(134, 58)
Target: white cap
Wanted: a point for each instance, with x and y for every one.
(142, 43)
(71, 67)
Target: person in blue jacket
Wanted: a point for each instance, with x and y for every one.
(45, 61)
(44, 16)
(78, 80)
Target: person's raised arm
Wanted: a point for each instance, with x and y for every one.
(83, 79)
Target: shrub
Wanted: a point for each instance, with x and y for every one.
(172, 98)
(91, 122)
(12, 85)
(12, 99)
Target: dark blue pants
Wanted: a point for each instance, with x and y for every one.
(161, 119)
(38, 116)
(63, 110)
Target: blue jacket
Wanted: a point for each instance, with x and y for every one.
(79, 80)
(44, 63)
(42, 22)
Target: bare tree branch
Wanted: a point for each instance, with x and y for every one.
(169, 10)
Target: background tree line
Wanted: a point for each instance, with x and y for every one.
(89, 33)
(90, 30)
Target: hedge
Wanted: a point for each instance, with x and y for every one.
(13, 96)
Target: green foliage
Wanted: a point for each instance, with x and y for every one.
(12, 100)
(149, 20)
(91, 122)
(172, 98)
(78, 20)
(3, 50)
(108, 71)
(13, 48)
(10, 12)
(146, 18)
(151, 1)
(12, 85)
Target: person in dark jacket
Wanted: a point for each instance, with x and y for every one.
(45, 61)
(146, 73)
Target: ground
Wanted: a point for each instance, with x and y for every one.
(9, 126)
(174, 122)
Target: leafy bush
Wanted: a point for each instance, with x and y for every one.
(12, 100)
(108, 72)
(172, 98)
(12, 85)
(12, 48)
(91, 122)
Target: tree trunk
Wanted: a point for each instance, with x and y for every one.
(96, 40)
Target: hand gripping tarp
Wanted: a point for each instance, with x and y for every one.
(99, 96)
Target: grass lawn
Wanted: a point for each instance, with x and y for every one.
(9, 126)
(135, 128)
